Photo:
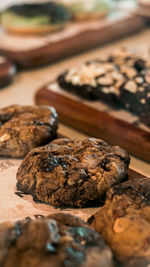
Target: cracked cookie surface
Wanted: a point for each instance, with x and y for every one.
(58, 240)
(25, 127)
(74, 173)
(124, 222)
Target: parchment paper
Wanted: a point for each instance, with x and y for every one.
(15, 205)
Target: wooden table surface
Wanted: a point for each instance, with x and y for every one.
(27, 82)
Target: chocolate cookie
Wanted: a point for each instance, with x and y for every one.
(59, 240)
(25, 127)
(74, 173)
(124, 222)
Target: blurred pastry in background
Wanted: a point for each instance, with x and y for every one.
(7, 71)
(87, 9)
(35, 18)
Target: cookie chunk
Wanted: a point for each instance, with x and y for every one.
(74, 173)
(25, 127)
(124, 222)
(58, 240)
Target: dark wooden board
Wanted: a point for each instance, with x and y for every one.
(50, 51)
(87, 117)
(7, 72)
(134, 175)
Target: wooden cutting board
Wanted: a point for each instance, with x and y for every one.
(118, 127)
(33, 51)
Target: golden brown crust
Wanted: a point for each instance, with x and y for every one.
(33, 30)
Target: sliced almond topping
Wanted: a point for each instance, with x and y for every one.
(130, 72)
(147, 79)
(139, 80)
(116, 75)
(148, 95)
(106, 80)
(108, 66)
(105, 90)
(141, 89)
(93, 83)
(131, 86)
(100, 71)
(4, 137)
(143, 101)
(119, 84)
(121, 224)
(75, 80)
(115, 90)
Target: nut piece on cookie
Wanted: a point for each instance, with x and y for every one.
(57, 240)
(74, 173)
(23, 128)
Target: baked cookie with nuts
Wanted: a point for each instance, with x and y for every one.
(25, 127)
(72, 173)
(124, 222)
(57, 240)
